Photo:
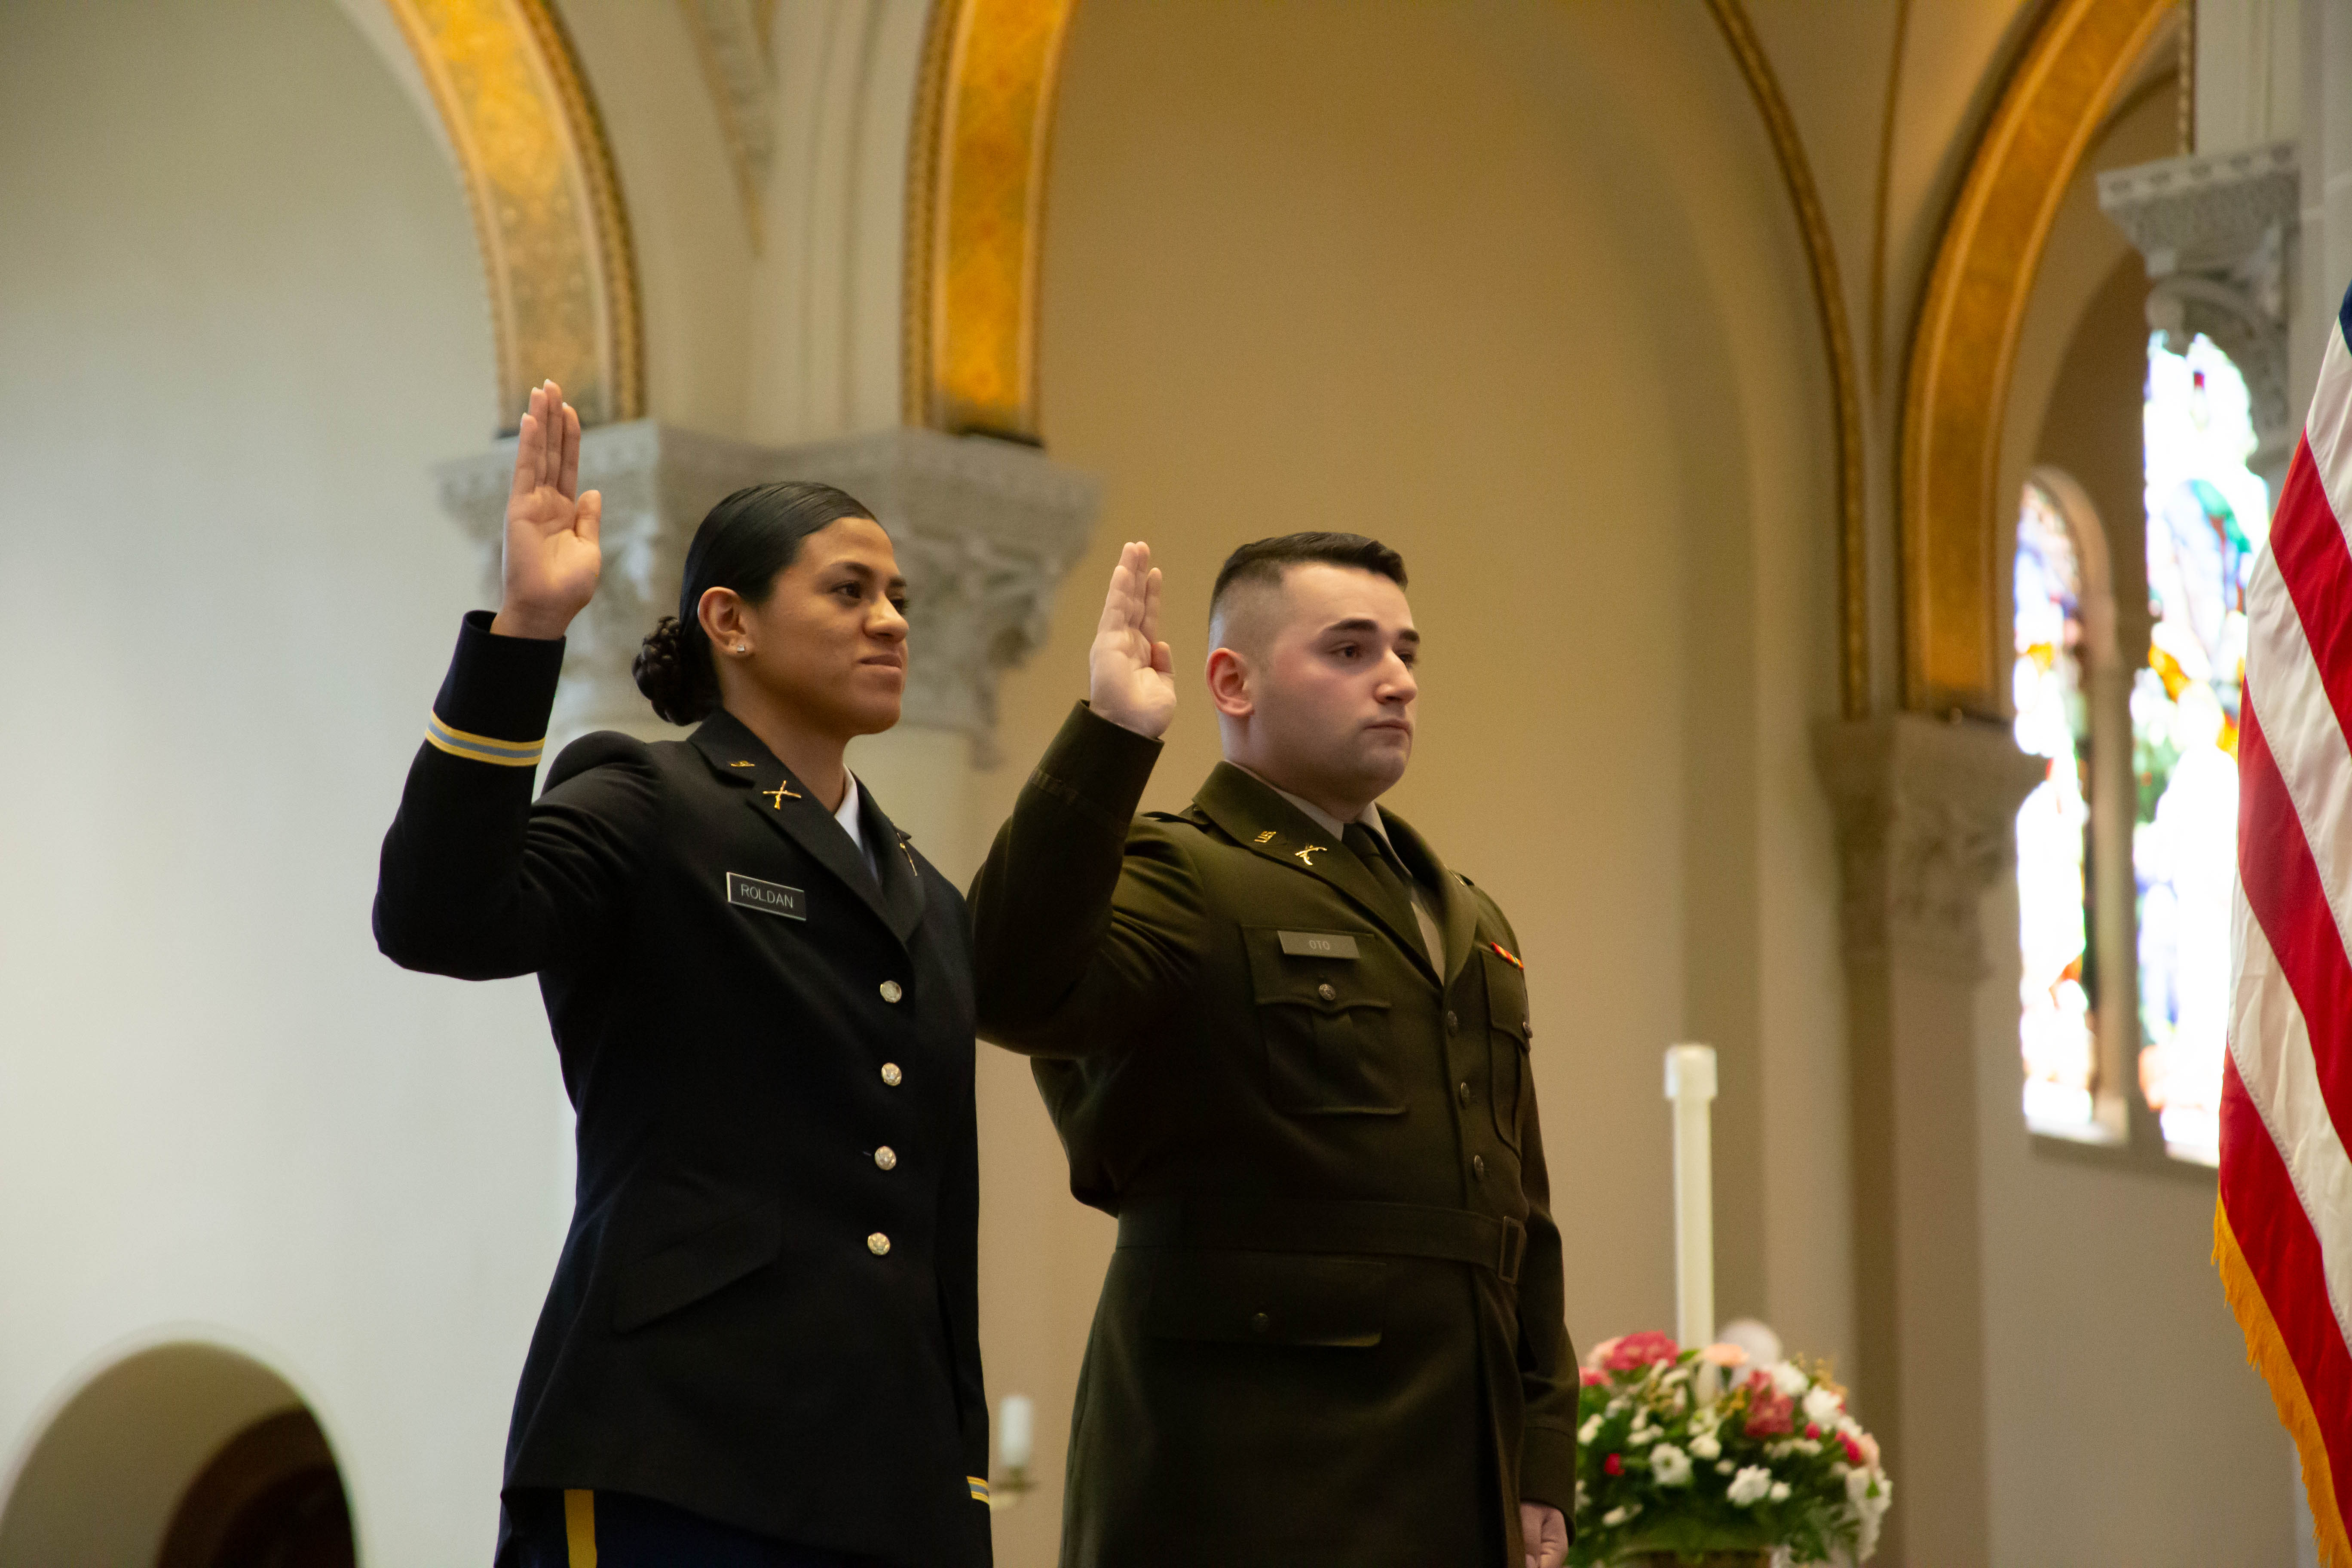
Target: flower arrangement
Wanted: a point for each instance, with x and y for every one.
(1694, 1451)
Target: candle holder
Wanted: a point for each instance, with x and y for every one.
(1007, 1491)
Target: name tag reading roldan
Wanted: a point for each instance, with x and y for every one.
(1317, 943)
(772, 898)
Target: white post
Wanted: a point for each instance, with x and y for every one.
(1690, 1084)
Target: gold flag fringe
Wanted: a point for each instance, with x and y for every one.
(2266, 1352)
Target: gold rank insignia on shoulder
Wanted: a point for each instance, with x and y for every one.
(1310, 849)
(743, 764)
(783, 792)
(1266, 835)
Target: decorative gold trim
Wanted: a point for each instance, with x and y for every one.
(1829, 305)
(976, 200)
(546, 201)
(1965, 344)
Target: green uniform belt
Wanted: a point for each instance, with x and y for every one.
(1399, 1230)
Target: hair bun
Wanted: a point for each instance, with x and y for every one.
(674, 678)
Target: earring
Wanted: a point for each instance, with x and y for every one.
(742, 648)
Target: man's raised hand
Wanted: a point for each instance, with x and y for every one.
(551, 556)
(1128, 670)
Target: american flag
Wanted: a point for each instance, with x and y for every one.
(2282, 1228)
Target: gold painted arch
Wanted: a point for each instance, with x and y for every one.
(546, 201)
(975, 214)
(1964, 345)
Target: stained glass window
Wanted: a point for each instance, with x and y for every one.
(2054, 825)
(2207, 515)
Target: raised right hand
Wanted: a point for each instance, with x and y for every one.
(551, 555)
(1129, 679)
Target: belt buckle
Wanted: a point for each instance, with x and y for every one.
(1513, 1252)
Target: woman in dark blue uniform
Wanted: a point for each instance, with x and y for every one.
(760, 1346)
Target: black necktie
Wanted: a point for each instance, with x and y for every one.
(1366, 848)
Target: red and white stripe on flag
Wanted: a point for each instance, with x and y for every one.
(2282, 1229)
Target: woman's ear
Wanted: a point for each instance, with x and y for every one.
(1228, 674)
(726, 620)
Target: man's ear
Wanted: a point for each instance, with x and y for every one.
(1229, 683)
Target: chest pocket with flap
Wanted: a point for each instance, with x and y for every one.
(1509, 1036)
(1330, 1049)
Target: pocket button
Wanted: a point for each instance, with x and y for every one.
(878, 1245)
(1462, 1091)
(1327, 991)
(1260, 1323)
(1478, 1166)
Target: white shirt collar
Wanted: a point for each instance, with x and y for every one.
(847, 814)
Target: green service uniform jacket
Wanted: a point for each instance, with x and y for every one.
(1332, 1332)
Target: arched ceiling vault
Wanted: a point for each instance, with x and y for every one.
(546, 203)
(976, 183)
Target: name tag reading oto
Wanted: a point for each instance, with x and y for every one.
(1317, 943)
(771, 897)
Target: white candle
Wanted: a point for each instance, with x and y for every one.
(1014, 1436)
(1690, 1084)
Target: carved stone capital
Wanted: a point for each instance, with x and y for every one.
(2216, 230)
(984, 531)
(1927, 814)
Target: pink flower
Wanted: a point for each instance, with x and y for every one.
(1729, 1357)
(1853, 1451)
(1869, 1449)
(1635, 1351)
(1613, 1465)
(1770, 1413)
(1599, 1354)
(1590, 1378)
(1813, 1431)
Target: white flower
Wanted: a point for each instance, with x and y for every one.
(1822, 1407)
(1779, 1492)
(1750, 1485)
(1788, 1380)
(1617, 1516)
(1583, 1497)
(1589, 1431)
(1857, 1490)
(1807, 1446)
(1643, 1433)
(1669, 1465)
(1725, 1468)
(1706, 1447)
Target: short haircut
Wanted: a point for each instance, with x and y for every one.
(1263, 562)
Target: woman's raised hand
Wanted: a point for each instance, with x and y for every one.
(1128, 676)
(551, 556)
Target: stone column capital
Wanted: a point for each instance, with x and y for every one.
(985, 529)
(2216, 230)
(1926, 813)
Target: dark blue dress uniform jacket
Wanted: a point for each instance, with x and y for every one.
(759, 1315)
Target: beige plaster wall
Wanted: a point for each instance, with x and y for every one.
(241, 312)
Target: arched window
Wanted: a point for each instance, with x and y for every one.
(2207, 515)
(2057, 993)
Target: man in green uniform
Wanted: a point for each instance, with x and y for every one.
(1289, 1050)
